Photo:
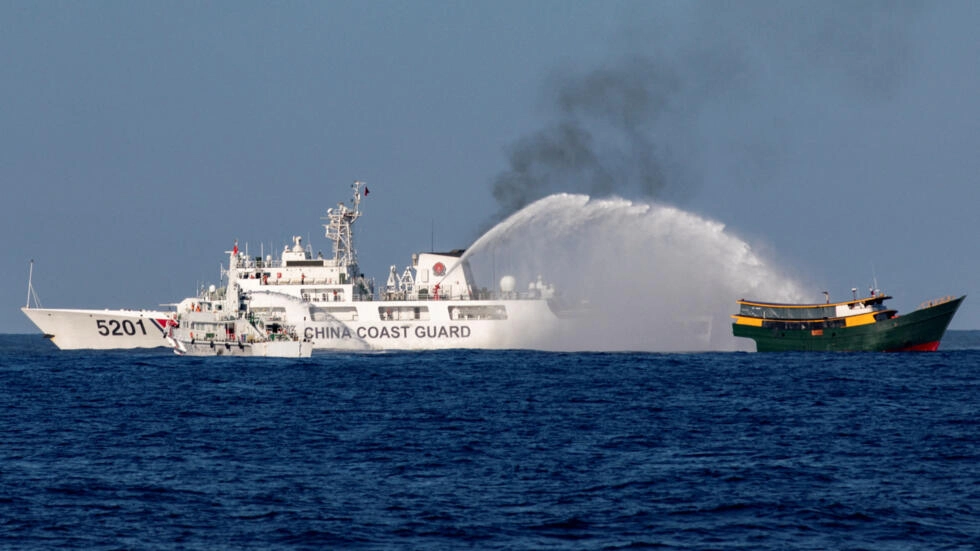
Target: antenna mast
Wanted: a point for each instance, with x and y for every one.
(874, 278)
(30, 288)
(30, 276)
(340, 230)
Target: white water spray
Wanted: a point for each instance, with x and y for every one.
(647, 276)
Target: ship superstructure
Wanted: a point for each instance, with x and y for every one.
(431, 303)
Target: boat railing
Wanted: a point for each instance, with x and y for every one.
(426, 297)
(479, 295)
(936, 302)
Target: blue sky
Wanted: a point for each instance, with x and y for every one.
(141, 138)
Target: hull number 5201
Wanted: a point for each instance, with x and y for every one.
(117, 328)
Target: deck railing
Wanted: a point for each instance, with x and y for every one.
(936, 302)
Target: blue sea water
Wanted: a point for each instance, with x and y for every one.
(490, 450)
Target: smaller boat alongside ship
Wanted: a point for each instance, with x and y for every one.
(222, 322)
(857, 325)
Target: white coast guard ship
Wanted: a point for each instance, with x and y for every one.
(106, 329)
(433, 303)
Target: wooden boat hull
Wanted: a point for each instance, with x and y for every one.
(920, 331)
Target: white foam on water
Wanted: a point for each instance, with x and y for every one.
(647, 276)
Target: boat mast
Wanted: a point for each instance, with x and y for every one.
(30, 276)
(30, 288)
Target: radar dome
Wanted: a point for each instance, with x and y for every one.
(507, 284)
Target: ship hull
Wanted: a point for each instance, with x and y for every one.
(270, 349)
(526, 324)
(101, 329)
(918, 331)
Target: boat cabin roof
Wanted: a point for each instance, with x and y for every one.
(828, 310)
(455, 252)
(867, 301)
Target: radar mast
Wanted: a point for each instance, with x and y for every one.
(339, 229)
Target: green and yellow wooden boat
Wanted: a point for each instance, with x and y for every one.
(861, 324)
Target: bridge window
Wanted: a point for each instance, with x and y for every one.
(485, 312)
(403, 313)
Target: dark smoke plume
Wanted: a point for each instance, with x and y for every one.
(626, 128)
(600, 141)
